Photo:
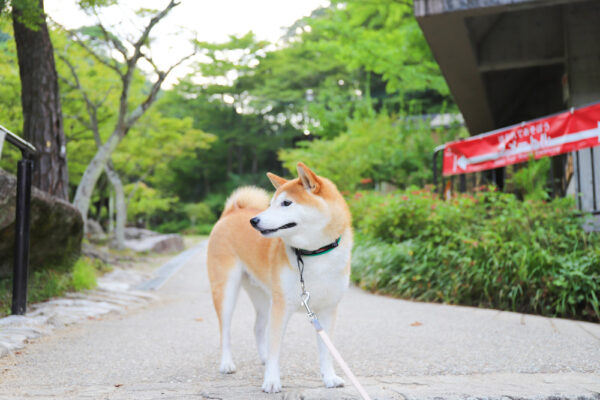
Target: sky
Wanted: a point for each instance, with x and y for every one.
(208, 20)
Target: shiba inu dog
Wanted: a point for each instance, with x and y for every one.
(256, 244)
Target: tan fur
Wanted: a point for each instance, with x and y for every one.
(246, 197)
(276, 180)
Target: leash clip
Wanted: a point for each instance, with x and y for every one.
(305, 296)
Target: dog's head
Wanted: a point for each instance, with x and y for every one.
(305, 212)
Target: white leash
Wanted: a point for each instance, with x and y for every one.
(315, 322)
(305, 296)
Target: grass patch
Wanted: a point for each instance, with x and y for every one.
(83, 276)
(54, 282)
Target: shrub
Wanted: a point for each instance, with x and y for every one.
(203, 229)
(488, 250)
(83, 276)
(530, 181)
(199, 213)
(216, 202)
(174, 226)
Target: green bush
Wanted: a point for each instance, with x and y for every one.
(203, 229)
(216, 201)
(174, 226)
(530, 181)
(199, 213)
(488, 250)
(84, 275)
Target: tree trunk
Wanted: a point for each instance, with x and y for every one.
(92, 173)
(111, 214)
(40, 99)
(120, 206)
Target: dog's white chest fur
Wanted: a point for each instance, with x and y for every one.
(325, 278)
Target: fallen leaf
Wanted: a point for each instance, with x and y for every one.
(118, 385)
(198, 319)
(416, 323)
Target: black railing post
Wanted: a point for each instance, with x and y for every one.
(462, 183)
(436, 151)
(21, 265)
(21, 260)
(434, 170)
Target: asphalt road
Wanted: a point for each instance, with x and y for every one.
(398, 349)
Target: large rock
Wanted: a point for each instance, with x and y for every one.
(94, 228)
(147, 241)
(56, 229)
(133, 233)
(95, 233)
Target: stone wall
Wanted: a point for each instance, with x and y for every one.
(56, 229)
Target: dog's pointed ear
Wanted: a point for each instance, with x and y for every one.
(276, 180)
(309, 179)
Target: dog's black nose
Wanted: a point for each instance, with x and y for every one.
(254, 221)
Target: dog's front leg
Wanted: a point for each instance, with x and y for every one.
(278, 319)
(331, 380)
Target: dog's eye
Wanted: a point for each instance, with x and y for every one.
(286, 203)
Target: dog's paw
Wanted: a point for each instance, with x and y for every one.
(333, 381)
(271, 386)
(227, 367)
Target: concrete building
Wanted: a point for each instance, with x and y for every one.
(507, 61)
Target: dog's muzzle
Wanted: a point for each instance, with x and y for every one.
(255, 221)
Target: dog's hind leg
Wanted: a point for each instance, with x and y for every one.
(331, 380)
(261, 302)
(225, 284)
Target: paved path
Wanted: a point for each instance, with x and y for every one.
(398, 349)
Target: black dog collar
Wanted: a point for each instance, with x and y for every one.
(302, 252)
(318, 252)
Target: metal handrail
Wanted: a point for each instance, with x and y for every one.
(22, 213)
(18, 142)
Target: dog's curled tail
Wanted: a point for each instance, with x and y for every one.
(246, 197)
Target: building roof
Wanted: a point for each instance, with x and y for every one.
(502, 59)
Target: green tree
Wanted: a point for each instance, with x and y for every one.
(397, 150)
(128, 113)
(350, 60)
(383, 37)
(10, 93)
(91, 99)
(40, 98)
(248, 137)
